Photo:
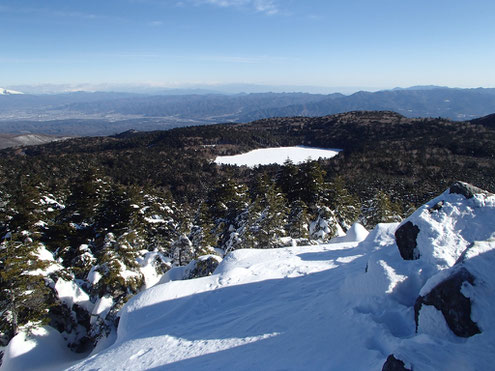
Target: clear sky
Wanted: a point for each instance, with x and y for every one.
(353, 43)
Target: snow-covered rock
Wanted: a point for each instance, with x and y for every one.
(441, 230)
(448, 298)
(394, 364)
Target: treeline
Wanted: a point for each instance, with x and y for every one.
(95, 234)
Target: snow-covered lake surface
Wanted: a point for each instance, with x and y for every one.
(278, 155)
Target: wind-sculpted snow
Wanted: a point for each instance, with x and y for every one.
(449, 223)
(346, 305)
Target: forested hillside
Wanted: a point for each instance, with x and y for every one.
(86, 223)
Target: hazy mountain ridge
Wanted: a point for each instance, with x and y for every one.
(63, 114)
(196, 106)
(455, 104)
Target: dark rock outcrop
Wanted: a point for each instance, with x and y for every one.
(465, 189)
(405, 236)
(394, 364)
(437, 207)
(455, 307)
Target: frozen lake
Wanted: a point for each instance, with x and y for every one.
(278, 155)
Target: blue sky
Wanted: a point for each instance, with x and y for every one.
(332, 43)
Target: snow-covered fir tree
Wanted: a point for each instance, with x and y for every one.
(298, 220)
(381, 209)
(345, 206)
(267, 216)
(23, 290)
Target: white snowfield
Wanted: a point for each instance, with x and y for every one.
(279, 155)
(345, 305)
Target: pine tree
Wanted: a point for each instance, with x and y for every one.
(266, 216)
(117, 211)
(287, 180)
(118, 267)
(345, 206)
(325, 226)
(162, 219)
(75, 225)
(298, 221)
(227, 200)
(310, 183)
(83, 261)
(202, 236)
(23, 293)
(273, 217)
(183, 251)
(85, 194)
(228, 205)
(24, 204)
(382, 210)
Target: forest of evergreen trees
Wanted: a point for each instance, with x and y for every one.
(90, 213)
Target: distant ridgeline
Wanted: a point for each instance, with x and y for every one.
(86, 223)
(106, 113)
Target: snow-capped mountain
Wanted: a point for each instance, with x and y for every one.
(9, 92)
(416, 295)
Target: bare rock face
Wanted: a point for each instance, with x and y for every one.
(394, 364)
(405, 236)
(455, 307)
(465, 189)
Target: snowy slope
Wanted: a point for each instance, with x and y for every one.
(259, 303)
(266, 156)
(9, 92)
(346, 305)
(9, 140)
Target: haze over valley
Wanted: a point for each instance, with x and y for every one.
(107, 113)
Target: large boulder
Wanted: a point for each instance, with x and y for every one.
(466, 189)
(394, 364)
(440, 231)
(405, 237)
(447, 297)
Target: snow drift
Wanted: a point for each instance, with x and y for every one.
(357, 303)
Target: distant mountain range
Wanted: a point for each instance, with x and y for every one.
(105, 113)
(454, 104)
